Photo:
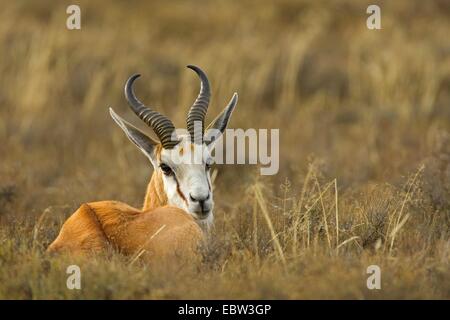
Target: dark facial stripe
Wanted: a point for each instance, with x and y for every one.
(180, 193)
(209, 182)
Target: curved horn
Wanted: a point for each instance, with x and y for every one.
(162, 126)
(198, 110)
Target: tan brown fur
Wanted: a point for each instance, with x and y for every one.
(158, 232)
(155, 196)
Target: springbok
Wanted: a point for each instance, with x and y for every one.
(178, 205)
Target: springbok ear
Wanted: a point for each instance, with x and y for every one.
(219, 124)
(141, 140)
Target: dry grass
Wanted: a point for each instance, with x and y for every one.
(365, 143)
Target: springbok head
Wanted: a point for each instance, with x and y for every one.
(184, 159)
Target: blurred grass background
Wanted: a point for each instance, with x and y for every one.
(365, 136)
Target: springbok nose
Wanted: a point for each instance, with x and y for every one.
(202, 207)
(199, 199)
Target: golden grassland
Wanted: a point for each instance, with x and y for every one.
(364, 143)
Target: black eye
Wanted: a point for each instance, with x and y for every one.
(208, 165)
(166, 169)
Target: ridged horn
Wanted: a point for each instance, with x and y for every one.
(161, 125)
(198, 110)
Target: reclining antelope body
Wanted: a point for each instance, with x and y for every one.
(179, 199)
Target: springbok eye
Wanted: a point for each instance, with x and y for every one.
(166, 169)
(208, 165)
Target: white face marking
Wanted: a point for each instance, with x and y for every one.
(187, 181)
